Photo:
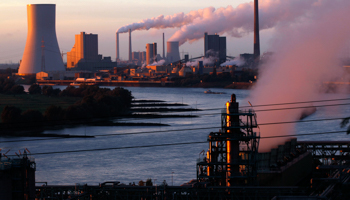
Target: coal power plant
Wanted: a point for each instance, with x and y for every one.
(41, 52)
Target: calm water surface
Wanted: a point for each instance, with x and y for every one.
(158, 163)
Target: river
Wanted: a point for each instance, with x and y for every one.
(175, 164)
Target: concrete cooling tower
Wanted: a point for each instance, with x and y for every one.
(41, 52)
(173, 53)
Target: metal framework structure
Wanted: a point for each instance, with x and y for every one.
(232, 156)
(17, 176)
(328, 152)
(85, 192)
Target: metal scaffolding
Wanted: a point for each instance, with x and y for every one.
(232, 156)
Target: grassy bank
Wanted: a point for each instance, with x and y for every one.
(35, 102)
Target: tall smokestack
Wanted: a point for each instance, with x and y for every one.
(130, 54)
(205, 44)
(117, 47)
(256, 30)
(163, 47)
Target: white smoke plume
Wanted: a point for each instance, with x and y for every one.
(162, 22)
(159, 63)
(236, 61)
(306, 54)
(235, 22)
(206, 61)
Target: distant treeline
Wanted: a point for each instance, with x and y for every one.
(8, 85)
(95, 103)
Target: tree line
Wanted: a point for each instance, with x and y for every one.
(95, 103)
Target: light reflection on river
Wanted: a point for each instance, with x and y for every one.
(133, 165)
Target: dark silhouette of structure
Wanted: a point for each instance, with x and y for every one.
(232, 156)
(256, 31)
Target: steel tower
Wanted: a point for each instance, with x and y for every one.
(232, 156)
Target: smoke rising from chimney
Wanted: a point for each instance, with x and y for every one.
(306, 54)
(236, 22)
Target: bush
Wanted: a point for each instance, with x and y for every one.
(47, 90)
(17, 89)
(32, 118)
(34, 89)
(11, 114)
(54, 114)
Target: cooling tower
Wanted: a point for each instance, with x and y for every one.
(41, 52)
(256, 30)
(173, 53)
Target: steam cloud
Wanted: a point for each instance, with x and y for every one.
(236, 22)
(159, 63)
(237, 61)
(161, 22)
(306, 53)
(206, 61)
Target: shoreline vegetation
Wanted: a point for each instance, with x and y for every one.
(45, 109)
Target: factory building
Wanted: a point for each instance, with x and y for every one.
(173, 53)
(84, 54)
(41, 52)
(84, 49)
(215, 46)
(151, 53)
(139, 55)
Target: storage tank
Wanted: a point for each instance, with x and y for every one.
(41, 52)
(173, 53)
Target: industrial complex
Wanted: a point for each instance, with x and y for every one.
(42, 57)
(232, 168)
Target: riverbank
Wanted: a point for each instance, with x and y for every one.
(139, 109)
(227, 85)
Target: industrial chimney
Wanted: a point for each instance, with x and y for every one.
(41, 47)
(173, 53)
(163, 47)
(117, 46)
(256, 30)
(130, 50)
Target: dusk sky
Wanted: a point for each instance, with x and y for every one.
(105, 17)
